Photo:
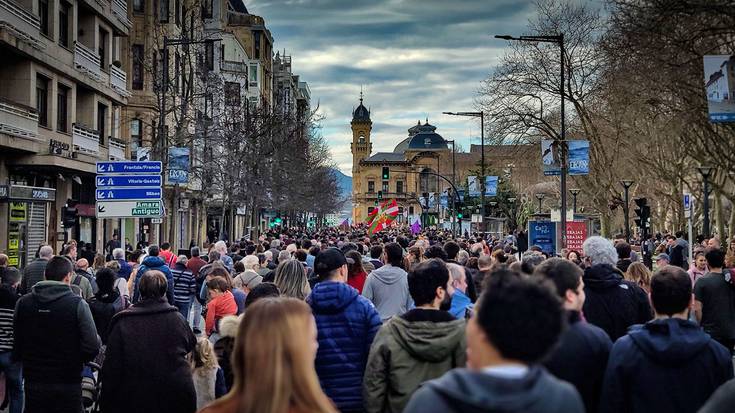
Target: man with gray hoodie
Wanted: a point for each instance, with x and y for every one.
(387, 287)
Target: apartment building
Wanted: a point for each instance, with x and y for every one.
(62, 91)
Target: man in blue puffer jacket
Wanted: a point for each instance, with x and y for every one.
(347, 323)
(154, 262)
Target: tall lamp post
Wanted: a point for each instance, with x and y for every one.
(540, 196)
(627, 183)
(454, 181)
(512, 214)
(480, 115)
(706, 172)
(557, 39)
(574, 192)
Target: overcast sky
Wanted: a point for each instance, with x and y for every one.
(413, 58)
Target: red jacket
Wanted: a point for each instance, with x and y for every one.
(357, 281)
(217, 308)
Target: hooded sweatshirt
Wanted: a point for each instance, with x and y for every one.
(418, 346)
(154, 263)
(387, 288)
(613, 304)
(667, 365)
(466, 391)
(346, 324)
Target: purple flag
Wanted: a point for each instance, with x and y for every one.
(416, 227)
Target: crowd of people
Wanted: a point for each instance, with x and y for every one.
(342, 321)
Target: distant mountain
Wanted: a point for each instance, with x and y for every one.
(345, 183)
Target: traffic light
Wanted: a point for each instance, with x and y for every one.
(380, 195)
(459, 215)
(643, 213)
(386, 173)
(69, 215)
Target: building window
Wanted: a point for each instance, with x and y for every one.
(136, 133)
(252, 104)
(103, 49)
(399, 187)
(427, 181)
(177, 12)
(64, 9)
(209, 54)
(371, 187)
(257, 44)
(139, 6)
(43, 8)
(206, 9)
(253, 75)
(101, 120)
(138, 57)
(386, 186)
(42, 100)
(177, 73)
(232, 93)
(163, 11)
(62, 111)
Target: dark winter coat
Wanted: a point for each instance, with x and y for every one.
(580, 358)
(146, 370)
(347, 323)
(125, 269)
(466, 391)
(667, 365)
(613, 303)
(32, 273)
(154, 263)
(679, 256)
(103, 308)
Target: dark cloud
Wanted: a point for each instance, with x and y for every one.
(413, 58)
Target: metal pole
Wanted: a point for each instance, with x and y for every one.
(564, 165)
(574, 203)
(482, 172)
(627, 223)
(705, 203)
(691, 245)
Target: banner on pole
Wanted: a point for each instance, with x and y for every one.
(473, 186)
(576, 234)
(491, 186)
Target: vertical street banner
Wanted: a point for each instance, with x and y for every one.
(550, 157)
(491, 186)
(719, 85)
(473, 186)
(460, 194)
(178, 166)
(576, 234)
(431, 203)
(444, 200)
(543, 234)
(579, 157)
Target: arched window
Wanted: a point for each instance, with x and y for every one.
(427, 181)
(361, 138)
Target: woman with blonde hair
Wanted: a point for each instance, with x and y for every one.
(639, 274)
(291, 279)
(209, 379)
(273, 362)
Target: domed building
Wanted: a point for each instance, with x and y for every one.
(407, 174)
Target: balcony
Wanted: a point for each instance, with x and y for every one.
(18, 120)
(87, 61)
(117, 150)
(235, 67)
(85, 140)
(120, 10)
(20, 22)
(118, 80)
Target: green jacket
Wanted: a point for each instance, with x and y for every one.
(408, 350)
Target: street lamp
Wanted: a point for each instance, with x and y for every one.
(557, 39)
(574, 192)
(480, 115)
(540, 196)
(706, 172)
(627, 183)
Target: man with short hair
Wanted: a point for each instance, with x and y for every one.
(346, 325)
(33, 272)
(678, 250)
(461, 303)
(516, 323)
(581, 356)
(420, 345)
(54, 336)
(185, 286)
(168, 257)
(612, 303)
(82, 282)
(624, 251)
(714, 295)
(387, 286)
(662, 260)
(376, 251)
(154, 262)
(668, 364)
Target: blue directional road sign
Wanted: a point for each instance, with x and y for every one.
(123, 167)
(140, 181)
(128, 194)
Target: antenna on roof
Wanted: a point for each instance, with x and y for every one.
(360, 93)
